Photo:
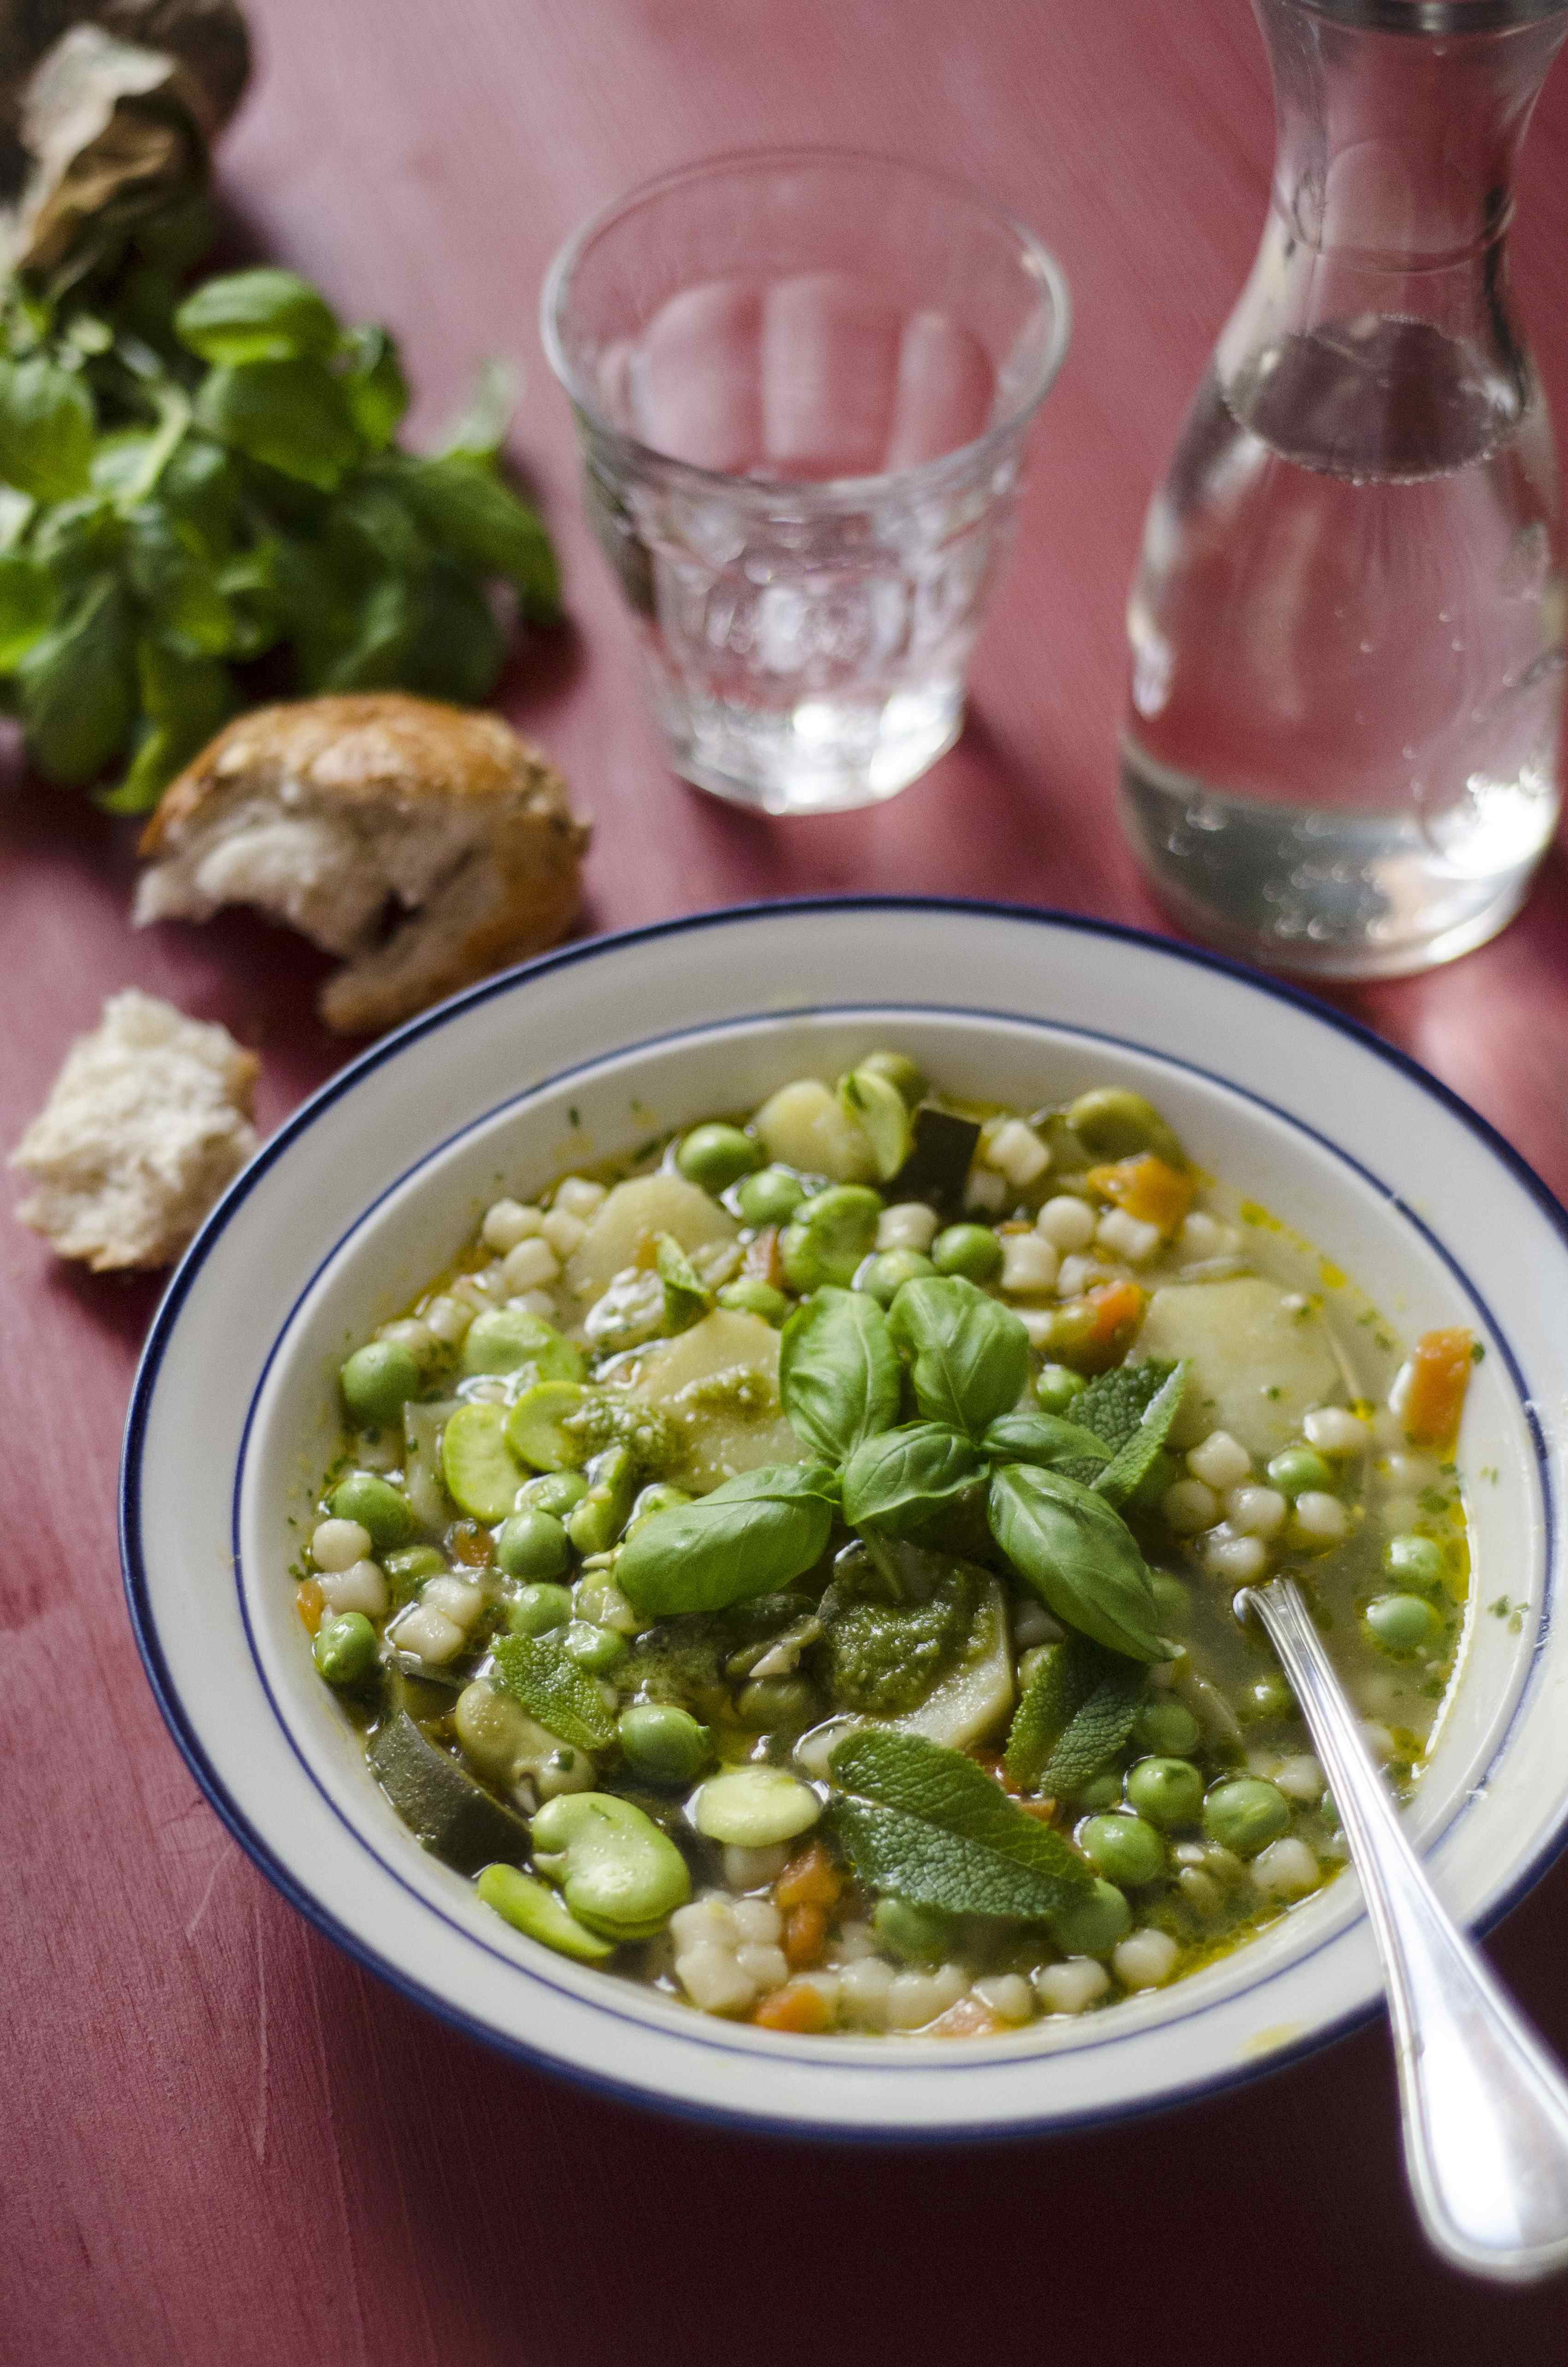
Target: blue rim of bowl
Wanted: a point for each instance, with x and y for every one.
(143, 1623)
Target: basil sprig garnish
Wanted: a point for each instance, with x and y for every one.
(752, 1535)
(1043, 1438)
(971, 1353)
(840, 1378)
(1078, 1555)
(900, 1482)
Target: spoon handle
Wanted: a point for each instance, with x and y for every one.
(1483, 2104)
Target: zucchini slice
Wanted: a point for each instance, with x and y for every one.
(448, 1812)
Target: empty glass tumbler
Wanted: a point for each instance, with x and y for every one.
(802, 383)
(1341, 749)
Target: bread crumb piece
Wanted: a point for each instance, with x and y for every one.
(148, 1120)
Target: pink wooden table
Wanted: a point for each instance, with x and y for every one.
(223, 2141)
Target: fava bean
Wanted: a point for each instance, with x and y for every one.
(753, 1808)
(714, 1156)
(595, 1524)
(531, 1544)
(532, 1908)
(663, 1744)
(618, 1874)
(884, 1275)
(907, 1075)
(972, 1251)
(345, 1647)
(1111, 1123)
(505, 1339)
(554, 1492)
(830, 1237)
(376, 1382)
(770, 1197)
(749, 1296)
(1245, 1814)
(377, 1505)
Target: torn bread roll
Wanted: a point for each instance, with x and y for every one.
(146, 1123)
(426, 845)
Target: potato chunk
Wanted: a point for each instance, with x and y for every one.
(720, 1381)
(630, 1219)
(805, 1126)
(1257, 1365)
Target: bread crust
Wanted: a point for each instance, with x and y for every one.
(374, 762)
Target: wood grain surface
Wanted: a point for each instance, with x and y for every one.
(225, 2143)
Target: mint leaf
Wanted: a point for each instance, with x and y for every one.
(971, 1353)
(1136, 1457)
(1078, 1555)
(554, 1690)
(928, 1825)
(900, 1482)
(840, 1378)
(752, 1535)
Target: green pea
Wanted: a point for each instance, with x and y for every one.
(408, 1567)
(1057, 1388)
(1097, 1791)
(1111, 1123)
(554, 1492)
(1245, 1814)
(505, 1339)
(971, 1250)
(595, 1524)
(345, 1647)
(770, 1197)
(920, 1935)
(618, 1874)
(900, 1071)
(377, 1505)
(594, 1649)
(531, 1544)
(1297, 1470)
(1173, 1604)
(376, 1382)
(531, 1906)
(1415, 1561)
(659, 1498)
(1094, 1926)
(753, 1808)
(1403, 1623)
(883, 1277)
(1168, 1792)
(717, 1156)
(1267, 1697)
(663, 1744)
(830, 1237)
(1167, 1727)
(1124, 1849)
(535, 1610)
(748, 1296)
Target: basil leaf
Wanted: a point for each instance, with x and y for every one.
(1137, 1457)
(76, 686)
(290, 415)
(257, 316)
(1043, 1438)
(46, 429)
(374, 383)
(554, 1690)
(899, 1480)
(971, 1353)
(752, 1535)
(171, 572)
(839, 1379)
(686, 1298)
(27, 605)
(435, 634)
(1078, 1555)
(184, 701)
(479, 429)
(464, 507)
(929, 1825)
(1077, 1711)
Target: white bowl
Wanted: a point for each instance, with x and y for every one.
(373, 1184)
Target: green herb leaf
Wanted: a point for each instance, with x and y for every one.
(479, 429)
(1098, 1727)
(554, 1690)
(971, 1355)
(433, 632)
(291, 416)
(752, 1535)
(46, 429)
(1077, 1711)
(1078, 1555)
(26, 605)
(840, 1378)
(1043, 1438)
(1137, 1457)
(903, 1479)
(1060, 1681)
(185, 701)
(171, 571)
(687, 1299)
(76, 686)
(475, 518)
(882, 1113)
(374, 383)
(266, 316)
(928, 1825)
(1114, 1403)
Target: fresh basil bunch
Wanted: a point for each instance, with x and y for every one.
(842, 1383)
(188, 487)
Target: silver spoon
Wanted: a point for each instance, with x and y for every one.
(1483, 2104)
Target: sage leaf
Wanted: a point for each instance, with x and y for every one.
(1098, 1727)
(686, 1298)
(1075, 1713)
(929, 1826)
(290, 415)
(971, 1353)
(1141, 1451)
(263, 315)
(1114, 1403)
(1078, 1555)
(554, 1690)
(1043, 1438)
(752, 1535)
(46, 429)
(840, 1378)
(1058, 1684)
(903, 1479)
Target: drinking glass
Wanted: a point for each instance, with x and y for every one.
(802, 383)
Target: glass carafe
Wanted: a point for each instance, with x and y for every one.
(1347, 625)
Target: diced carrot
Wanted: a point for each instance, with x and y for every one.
(1148, 1188)
(764, 1261)
(311, 1603)
(810, 1880)
(797, 2007)
(1439, 1375)
(805, 1927)
(967, 2018)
